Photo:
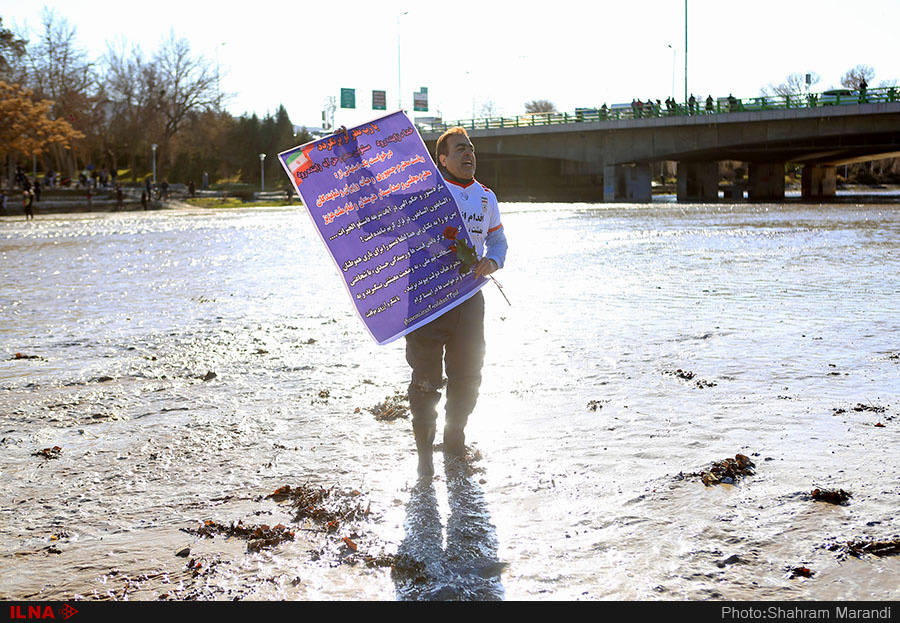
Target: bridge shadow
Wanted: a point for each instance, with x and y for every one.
(467, 568)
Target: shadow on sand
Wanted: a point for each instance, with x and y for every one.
(467, 569)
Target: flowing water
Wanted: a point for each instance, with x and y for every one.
(188, 363)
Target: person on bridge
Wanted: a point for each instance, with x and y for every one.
(732, 103)
(455, 340)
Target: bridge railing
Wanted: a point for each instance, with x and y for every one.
(657, 109)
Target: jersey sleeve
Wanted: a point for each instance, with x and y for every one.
(495, 241)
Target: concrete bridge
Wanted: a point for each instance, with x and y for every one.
(585, 158)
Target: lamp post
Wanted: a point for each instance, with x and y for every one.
(218, 86)
(262, 172)
(154, 162)
(399, 79)
(685, 52)
(672, 47)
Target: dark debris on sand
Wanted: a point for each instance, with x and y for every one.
(22, 356)
(860, 548)
(726, 471)
(328, 508)
(257, 537)
(687, 375)
(466, 465)
(831, 496)
(392, 408)
(869, 407)
(860, 407)
(336, 516)
(48, 453)
(335, 513)
(800, 572)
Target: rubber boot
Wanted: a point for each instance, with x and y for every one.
(424, 444)
(454, 441)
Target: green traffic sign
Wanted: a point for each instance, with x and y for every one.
(420, 101)
(348, 98)
(379, 100)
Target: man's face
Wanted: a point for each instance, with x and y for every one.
(460, 157)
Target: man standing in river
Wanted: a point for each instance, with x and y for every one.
(455, 340)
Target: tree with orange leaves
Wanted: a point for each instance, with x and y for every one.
(25, 123)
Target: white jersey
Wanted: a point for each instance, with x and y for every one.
(479, 210)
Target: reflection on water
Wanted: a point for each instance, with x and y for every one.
(189, 362)
(467, 568)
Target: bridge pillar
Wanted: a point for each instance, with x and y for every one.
(627, 183)
(818, 181)
(766, 181)
(609, 183)
(698, 181)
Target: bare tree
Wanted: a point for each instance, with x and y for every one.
(854, 77)
(488, 108)
(12, 49)
(134, 122)
(55, 68)
(540, 106)
(187, 83)
(794, 84)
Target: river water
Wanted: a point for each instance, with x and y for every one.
(188, 363)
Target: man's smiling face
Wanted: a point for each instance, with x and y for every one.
(460, 157)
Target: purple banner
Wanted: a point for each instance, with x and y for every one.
(381, 207)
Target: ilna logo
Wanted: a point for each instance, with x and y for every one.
(41, 612)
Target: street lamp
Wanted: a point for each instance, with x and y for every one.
(399, 79)
(673, 69)
(218, 88)
(154, 162)
(685, 51)
(262, 172)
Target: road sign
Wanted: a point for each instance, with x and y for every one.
(420, 99)
(348, 98)
(379, 100)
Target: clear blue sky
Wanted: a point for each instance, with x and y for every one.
(472, 52)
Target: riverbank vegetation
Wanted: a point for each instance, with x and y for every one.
(108, 113)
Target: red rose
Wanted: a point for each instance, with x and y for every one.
(450, 233)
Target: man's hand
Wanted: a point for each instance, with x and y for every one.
(485, 267)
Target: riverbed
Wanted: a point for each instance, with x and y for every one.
(163, 374)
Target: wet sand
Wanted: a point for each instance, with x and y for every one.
(178, 369)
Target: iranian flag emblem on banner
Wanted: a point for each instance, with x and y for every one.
(299, 161)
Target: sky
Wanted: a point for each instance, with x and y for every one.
(475, 53)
